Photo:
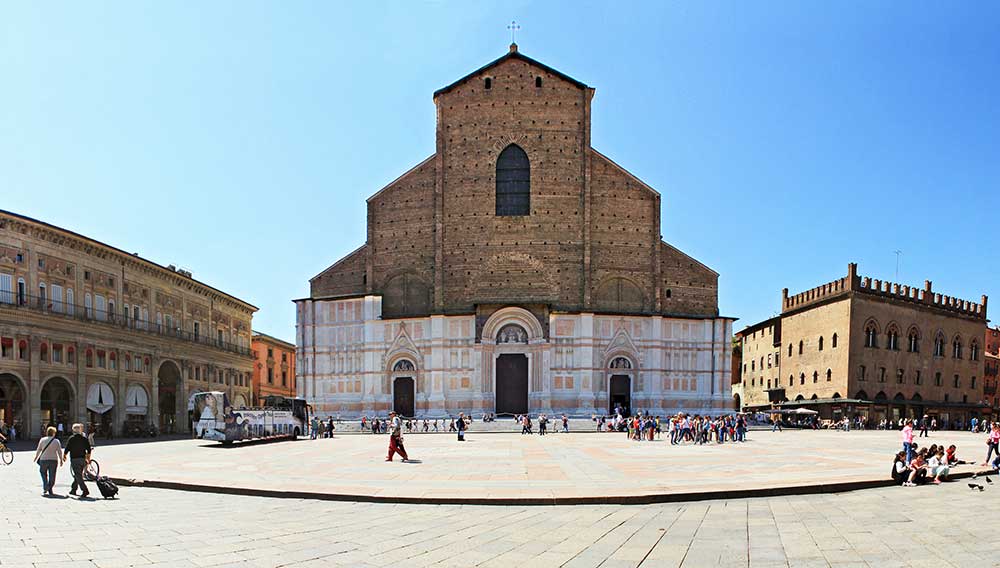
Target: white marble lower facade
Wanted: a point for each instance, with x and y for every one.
(352, 363)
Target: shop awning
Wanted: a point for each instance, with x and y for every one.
(100, 398)
(136, 400)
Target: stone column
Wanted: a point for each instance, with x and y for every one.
(183, 425)
(154, 394)
(34, 404)
(121, 391)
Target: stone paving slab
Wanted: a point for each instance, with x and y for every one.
(945, 526)
(515, 469)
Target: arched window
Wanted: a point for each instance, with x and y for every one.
(538, 82)
(488, 83)
(833, 341)
(802, 378)
(801, 344)
(956, 348)
(829, 375)
(513, 182)
(939, 345)
(974, 350)
(821, 343)
(871, 335)
(893, 336)
(753, 365)
(791, 380)
(815, 376)
(913, 340)
(789, 349)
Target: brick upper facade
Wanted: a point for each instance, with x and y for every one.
(590, 243)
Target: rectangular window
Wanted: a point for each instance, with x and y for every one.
(197, 330)
(284, 379)
(101, 308)
(57, 353)
(270, 376)
(112, 362)
(958, 381)
(899, 376)
(101, 359)
(916, 379)
(6, 347)
(127, 363)
(70, 358)
(972, 384)
(937, 379)
(57, 298)
(6, 289)
(881, 374)
(137, 364)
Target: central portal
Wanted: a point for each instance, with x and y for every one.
(402, 396)
(620, 395)
(512, 384)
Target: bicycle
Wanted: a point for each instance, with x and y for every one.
(92, 471)
(6, 455)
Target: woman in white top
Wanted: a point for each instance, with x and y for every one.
(49, 456)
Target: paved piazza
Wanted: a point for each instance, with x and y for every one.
(511, 466)
(945, 526)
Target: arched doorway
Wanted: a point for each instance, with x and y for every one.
(167, 391)
(736, 402)
(100, 401)
(620, 395)
(12, 402)
(403, 396)
(57, 403)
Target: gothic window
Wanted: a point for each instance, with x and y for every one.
(403, 365)
(512, 333)
(833, 341)
(791, 380)
(815, 376)
(939, 345)
(913, 341)
(974, 350)
(871, 335)
(956, 348)
(821, 343)
(802, 378)
(829, 375)
(513, 182)
(893, 336)
(621, 363)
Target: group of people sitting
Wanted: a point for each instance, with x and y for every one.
(924, 465)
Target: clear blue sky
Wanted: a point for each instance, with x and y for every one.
(240, 139)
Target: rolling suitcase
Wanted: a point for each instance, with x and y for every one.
(107, 487)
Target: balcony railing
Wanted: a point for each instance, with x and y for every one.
(36, 304)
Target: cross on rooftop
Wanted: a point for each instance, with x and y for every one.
(513, 27)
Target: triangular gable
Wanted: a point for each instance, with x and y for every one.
(403, 344)
(621, 342)
(513, 54)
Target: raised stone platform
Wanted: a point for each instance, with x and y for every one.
(513, 469)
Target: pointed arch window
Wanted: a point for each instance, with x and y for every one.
(513, 179)
(821, 343)
(871, 335)
(939, 346)
(833, 341)
(956, 348)
(893, 337)
(974, 351)
(913, 341)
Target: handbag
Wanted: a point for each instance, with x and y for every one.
(52, 439)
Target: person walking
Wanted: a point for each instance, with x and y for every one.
(776, 420)
(78, 449)
(565, 424)
(329, 428)
(543, 424)
(992, 443)
(49, 456)
(460, 425)
(396, 438)
(908, 440)
(924, 423)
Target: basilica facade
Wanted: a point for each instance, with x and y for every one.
(516, 270)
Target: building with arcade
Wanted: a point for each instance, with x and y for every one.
(517, 269)
(90, 333)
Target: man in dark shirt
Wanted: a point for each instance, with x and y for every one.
(78, 449)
